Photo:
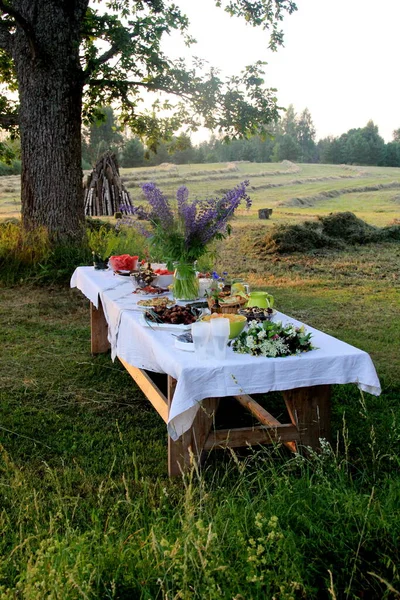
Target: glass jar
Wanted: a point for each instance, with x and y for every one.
(100, 264)
(185, 283)
(239, 286)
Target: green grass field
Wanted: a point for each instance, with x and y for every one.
(290, 182)
(86, 508)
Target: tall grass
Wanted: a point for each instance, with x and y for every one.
(30, 256)
(86, 508)
(259, 527)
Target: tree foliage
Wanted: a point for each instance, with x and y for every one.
(102, 135)
(66, 58)
(362, 146)
(133, 61)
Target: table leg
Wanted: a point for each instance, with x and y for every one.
(190, 445)
(310, 410)
(98, 330)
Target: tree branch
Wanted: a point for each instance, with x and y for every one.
(105, 57)
(149, 86)
(9, 120)
(115, 48)
(24, 24)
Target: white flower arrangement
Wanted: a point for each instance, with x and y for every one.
(272, 339)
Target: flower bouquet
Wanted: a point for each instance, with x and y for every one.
(273, 340)
(181, 232)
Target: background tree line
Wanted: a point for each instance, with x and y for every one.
(291, 138)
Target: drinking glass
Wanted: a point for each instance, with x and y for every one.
(200, 334)
(220, 328)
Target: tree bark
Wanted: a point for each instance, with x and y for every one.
(50, 87)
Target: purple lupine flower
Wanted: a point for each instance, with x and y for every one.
(229, 203)
(182, 196)
(193, 225)
(186, 211)
(160, 207)
(188, 215)
(205, 217)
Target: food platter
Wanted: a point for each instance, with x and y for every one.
(154, 301)
(171, 318)
(163, 326)
(122, 274)
(148, 293)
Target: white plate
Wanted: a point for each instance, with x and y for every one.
(189, 347)
(148, 296)
(163, 326)
(123, 275)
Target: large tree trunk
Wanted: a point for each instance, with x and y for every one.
(50, 87)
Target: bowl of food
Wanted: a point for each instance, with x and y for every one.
(236, 322)
(255, 313)
(143, 277)
(164, 277)
(124, 262)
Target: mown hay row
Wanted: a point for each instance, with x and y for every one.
(312, 200)
(336, 230)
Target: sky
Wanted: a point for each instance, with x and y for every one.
(340, 59)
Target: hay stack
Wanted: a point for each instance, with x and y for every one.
(104, 190)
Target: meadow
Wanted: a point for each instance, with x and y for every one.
(86, 507)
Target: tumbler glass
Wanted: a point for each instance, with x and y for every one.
(200, 333)
(220, 334)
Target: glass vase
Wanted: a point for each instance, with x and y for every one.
(186, 283)
(99, 263)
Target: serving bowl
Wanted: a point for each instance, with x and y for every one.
(236, 322)
(123, 262)
(255, 313)
(163, 280)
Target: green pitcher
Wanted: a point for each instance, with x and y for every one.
(260, 299)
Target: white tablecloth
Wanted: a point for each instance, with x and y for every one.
(333, 362)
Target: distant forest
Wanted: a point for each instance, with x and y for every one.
(292, 138)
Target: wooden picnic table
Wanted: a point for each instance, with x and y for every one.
(308, 406)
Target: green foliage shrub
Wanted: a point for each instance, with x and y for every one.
(102, 241)
(10, 169)
(92, 224)
(86, 166)
(391, 233)
(30, 256)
